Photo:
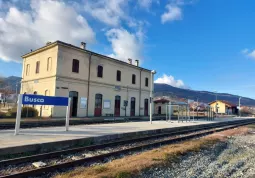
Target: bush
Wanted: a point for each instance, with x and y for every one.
(2, 114)
(25, 112)
(29, 112)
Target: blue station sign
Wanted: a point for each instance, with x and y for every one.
(44, 100)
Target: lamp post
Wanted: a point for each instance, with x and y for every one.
(151, 88)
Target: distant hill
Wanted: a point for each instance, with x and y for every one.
(162, 90)
(10, 82)
(203, 96)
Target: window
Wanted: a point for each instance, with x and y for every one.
(47, 93)
(146, 82)
(133, 79)
(75, 66)
(49, 64)
(37, 70)
(118, 75)
(27, 69)
(100, 71)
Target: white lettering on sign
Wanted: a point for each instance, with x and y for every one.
(34, 100)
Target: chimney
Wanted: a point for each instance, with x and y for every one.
(137, 63)
(129, 61)
(83, 45)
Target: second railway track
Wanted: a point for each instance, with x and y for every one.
(62, 159)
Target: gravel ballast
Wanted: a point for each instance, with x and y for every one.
(233, 158)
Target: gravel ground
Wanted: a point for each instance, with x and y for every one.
(233, 158)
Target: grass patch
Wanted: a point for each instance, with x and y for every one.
(130, 166)
(251, 126)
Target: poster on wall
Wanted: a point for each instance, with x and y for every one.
(107, 104)
(83, 103)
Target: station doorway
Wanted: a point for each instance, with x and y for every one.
(117, 106)
(98, 105)
(74, 103)
(132, 107)
(146, 107)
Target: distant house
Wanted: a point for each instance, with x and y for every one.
(160, 106)
(224, 107)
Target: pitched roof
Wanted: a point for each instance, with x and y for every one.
(225, 102)
(84, 50)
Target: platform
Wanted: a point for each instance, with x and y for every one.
(45, 138)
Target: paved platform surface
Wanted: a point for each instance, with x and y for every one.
(53, 134)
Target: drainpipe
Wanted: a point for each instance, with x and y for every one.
(88, 84)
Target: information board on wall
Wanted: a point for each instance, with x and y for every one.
(83, 103)
(107, 104)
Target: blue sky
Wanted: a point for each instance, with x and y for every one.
(197, 44)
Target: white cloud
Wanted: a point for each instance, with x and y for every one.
(249, 53)
(46, 20)
(173, 13)
(125, 44)
(146, 4)
(171, 81)
(110, 12)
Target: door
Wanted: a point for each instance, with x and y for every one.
(132, 106)
(117, 106)
(74, 103)
(146, 106)
(159, 110)
(98, 105)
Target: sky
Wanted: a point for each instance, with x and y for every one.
(195, 44)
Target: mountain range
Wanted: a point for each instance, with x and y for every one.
(162, 90)
(201, 96)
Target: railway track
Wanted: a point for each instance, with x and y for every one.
(137, 144)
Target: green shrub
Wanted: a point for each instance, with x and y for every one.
(29, 112)
(25, 112)
(2, 114)
(123, 175)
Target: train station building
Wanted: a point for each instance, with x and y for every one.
(98, 85)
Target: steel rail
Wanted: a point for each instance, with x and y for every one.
(39, 171)
(115, 143)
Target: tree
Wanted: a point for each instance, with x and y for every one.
(6, 92)
(246, 111)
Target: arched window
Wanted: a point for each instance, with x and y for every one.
(76, 66)
(118, 77)
(133, 78)
(100, 71)
(146, 82)
(47, 93)
(49, 64)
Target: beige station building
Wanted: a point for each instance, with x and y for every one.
(97, 85)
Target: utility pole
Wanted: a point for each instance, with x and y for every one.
(197, 108)
(216, 109)
(240, 106)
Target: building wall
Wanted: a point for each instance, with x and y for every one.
(48, 54)
(42, 87)
(60, 80)
(221, 107)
